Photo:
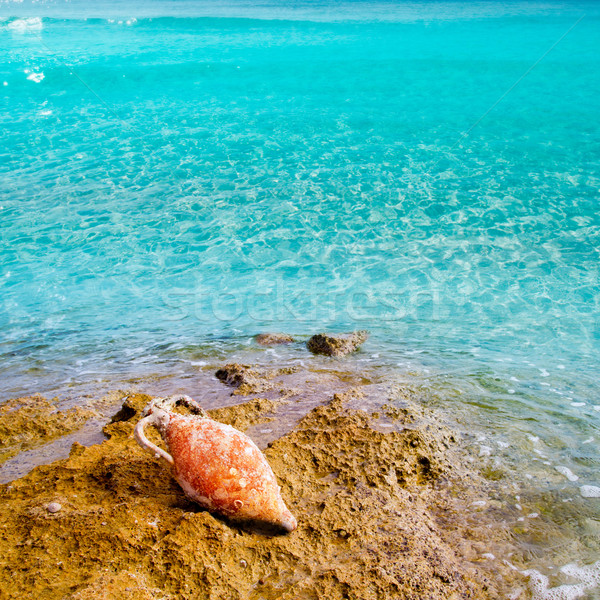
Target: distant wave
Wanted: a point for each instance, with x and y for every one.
(25, 25)
(245, 11)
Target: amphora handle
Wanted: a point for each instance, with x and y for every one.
(157, 414)
(145, 443)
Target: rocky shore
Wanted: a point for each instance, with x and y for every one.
(382, 498)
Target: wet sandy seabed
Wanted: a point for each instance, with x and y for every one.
(388, 501)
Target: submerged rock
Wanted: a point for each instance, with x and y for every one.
(336, 345)
(273, 339)
(249, 380)
(243, 377)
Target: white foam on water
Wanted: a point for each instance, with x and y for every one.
(27, 25)
(589, 575)
(567, 473)
(485, 450)
(538, 584)
(577, 403)
(587, 578)
(35, 77)
(590, 491)
(537, 446)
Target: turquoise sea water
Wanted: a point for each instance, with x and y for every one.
(175, 179)
(178, 176)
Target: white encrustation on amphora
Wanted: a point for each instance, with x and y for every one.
(217, 466)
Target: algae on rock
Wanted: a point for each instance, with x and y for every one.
(336, 345)
(29, 422)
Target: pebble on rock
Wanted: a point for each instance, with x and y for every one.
(54, 507)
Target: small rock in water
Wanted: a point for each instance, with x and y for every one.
(336, 345)
(567, 473)
(54, 507)
(235, 375)
(590, 491)
(273, 339)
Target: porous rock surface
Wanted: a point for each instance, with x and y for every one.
(368, 505)
(29, 422)
(248, 379)
(336, 345)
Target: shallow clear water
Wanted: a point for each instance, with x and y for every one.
(178, 176)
